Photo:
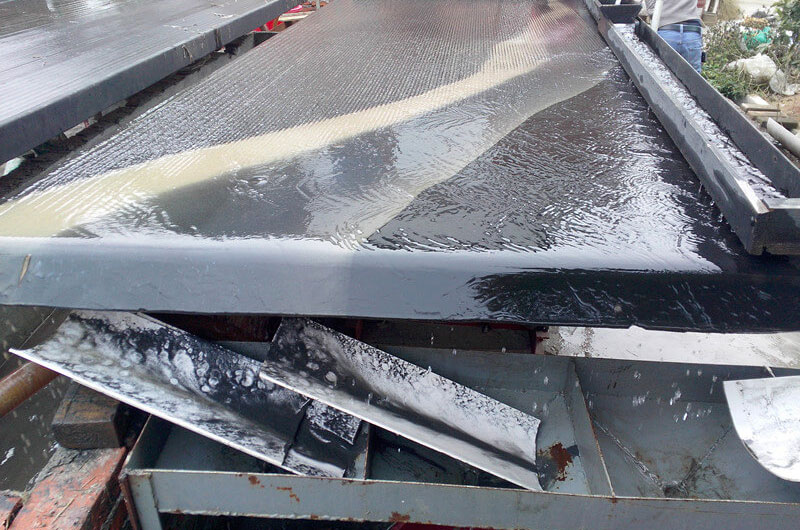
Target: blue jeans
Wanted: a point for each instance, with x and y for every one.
(688, 43)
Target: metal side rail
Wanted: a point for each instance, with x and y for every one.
(759, 201)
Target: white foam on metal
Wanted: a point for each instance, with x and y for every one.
(777, 350)
(403, 398)
(766, 415)
(193, 383)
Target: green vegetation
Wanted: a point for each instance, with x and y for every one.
(776, 36)
(722, 47)
(784, 45)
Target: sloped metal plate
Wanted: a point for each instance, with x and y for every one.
(403, 398)
(199, 386)
(62, 61)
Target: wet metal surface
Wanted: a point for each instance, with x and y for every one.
(766, 415)
(762, 218)
(62, 61)
(635, 344)
(692, 472)
(536, 385)
(665, 430)
(343, 159)
(512, 174)
(201, 386)
(593, 175)
(405, 399)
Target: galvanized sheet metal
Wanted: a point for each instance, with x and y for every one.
(446, 505)
(766, 414)
(405, 399)
(200, 386)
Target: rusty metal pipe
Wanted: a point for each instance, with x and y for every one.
(21, 384)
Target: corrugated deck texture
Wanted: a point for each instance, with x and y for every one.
(437, 160)
(62, 61)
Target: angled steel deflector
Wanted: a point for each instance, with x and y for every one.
(204, 388)
(405, 399)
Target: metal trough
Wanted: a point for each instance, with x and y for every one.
(752, 182)
(620, 444)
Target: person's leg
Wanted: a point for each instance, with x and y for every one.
(673, 38)
(689, 44)
(693, 50)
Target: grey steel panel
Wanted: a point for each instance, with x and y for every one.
(665, 430)
(199, 385)
(449, 505)
(728, 489)
(586, 439)
(415, 403)
(144, 498)
(62, 61)
(383, 196)
(229, 277)
(136, 490)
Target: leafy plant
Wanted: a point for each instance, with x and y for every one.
(723, 47)
(784, 49)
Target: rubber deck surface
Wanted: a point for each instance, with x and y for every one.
(62, 61)
(432, 160)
